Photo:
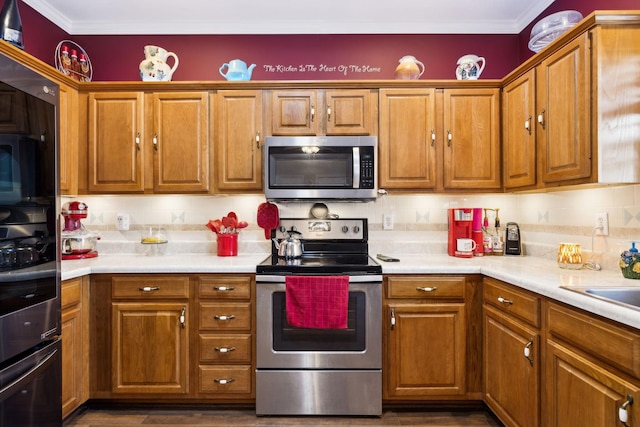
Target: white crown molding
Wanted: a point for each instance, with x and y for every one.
(149, 24)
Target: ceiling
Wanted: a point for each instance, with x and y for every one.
(168, 17)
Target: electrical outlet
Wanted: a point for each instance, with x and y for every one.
(122, 222)
(387, 222)
(602, 224)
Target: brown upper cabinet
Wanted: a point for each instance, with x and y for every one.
(434, 139)
(238, 141)
(157, 142)
(324, 112)
(68, 135)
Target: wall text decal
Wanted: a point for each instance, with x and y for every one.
(342, 69)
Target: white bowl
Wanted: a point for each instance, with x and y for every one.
(551, 27)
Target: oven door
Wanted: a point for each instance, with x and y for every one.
(280, 345)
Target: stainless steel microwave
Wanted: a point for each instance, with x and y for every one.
(320, 167)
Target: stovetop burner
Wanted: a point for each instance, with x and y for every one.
(331, 247)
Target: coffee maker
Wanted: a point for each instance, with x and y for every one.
(462, 241)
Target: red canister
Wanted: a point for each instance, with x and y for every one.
(227, 244)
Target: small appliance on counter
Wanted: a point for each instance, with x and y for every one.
(77, 242)
(513, 245)
(462, 241)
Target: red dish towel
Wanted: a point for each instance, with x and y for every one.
(317, 302)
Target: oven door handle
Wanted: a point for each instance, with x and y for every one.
(12, 388)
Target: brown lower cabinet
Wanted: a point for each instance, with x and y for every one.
(172, 337)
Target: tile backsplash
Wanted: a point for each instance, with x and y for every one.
(419, 221)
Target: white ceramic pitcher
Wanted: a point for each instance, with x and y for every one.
(468, 67)
(154, 67)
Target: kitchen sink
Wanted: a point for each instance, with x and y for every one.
(629, 297)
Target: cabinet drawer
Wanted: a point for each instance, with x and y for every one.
(514, 301)
(225, 287)
(148, 286)
(606, 341)
(225, 348)
(71, 292)
(225, 316)
(425, 287)
(225, 379)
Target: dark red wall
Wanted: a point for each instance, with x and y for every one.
(283, 57)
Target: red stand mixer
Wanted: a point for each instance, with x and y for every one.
(77, 242)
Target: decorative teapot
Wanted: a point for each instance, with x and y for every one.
(154, 67)
(408, 68)
(468, 68)
(237, 70)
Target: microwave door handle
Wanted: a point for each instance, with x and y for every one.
(356, 167)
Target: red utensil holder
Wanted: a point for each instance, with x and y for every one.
(227, 244)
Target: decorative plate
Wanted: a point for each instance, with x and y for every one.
(72, 60)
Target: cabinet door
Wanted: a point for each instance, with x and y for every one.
(426, 350)
(563, 97)
(68, 145)
(74, 371)
(511, 380)
(349, 112)
(295, 112)
(180, 140)
(150, 348)
(518, 132)
(472, 139)
(116, 127)
(407, 139)
(582, 393)
(238, 140)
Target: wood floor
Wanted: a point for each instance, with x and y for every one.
(97, 416)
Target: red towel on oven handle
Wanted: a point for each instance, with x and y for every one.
(317, 302)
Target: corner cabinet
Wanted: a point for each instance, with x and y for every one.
(324, 112)
(512, 354)
(238, 140)
(429, 337)
(156, 142)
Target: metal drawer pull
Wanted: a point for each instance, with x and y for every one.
(527, 125)
(155, 142)
(225, 349)
(229, 317)
(328, 114)
(505, 301)
(433, 138)
(527, 351)
(149, 288)
(183, 317)
(313, 114)
(393, 319)
(541, 118)
(223, 288)
(138, 141)
(223, 382)
(426, 289)
(623, 415)
(449, 138)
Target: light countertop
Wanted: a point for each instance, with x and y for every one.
(535, 274)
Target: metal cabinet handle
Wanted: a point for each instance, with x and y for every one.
(313, 113)
(541, 118)
(527, 125)
(505, 301)
(183, 317)
(426, 289)
(258, 140)
(527, 351)
(223, 382)
(224, 288)
(433, 138)
(393, 319)
(155, 141)
(328, 114)
(138, 141)
(449, 138)
(224, 317)
(623, 414)
(224, 349)
(149, 288)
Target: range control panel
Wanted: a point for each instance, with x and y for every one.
(324, 229)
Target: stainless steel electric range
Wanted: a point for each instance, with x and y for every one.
(314, 371)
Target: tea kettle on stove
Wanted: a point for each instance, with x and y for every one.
(290, 247)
